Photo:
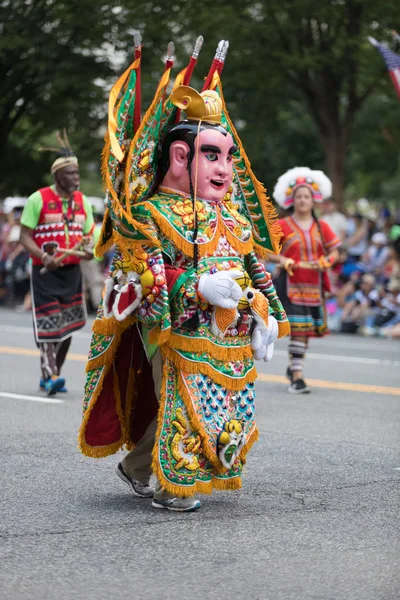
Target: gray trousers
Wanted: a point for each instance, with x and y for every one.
(137, 463)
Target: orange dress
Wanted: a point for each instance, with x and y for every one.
(302, 294)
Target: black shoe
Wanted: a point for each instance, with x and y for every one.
(299, 387)
(289, 374)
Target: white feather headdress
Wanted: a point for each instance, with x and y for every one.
(319, 184)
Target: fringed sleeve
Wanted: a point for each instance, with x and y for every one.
(262, 281)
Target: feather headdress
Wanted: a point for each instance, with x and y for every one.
(319, 184)
(65, 154)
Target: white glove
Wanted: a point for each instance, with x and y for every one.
(221, 289)
(263, 339)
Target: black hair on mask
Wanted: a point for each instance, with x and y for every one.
(185, 131)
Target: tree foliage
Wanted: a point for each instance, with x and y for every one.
(52, 54)
(301, 80)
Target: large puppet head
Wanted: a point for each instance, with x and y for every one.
(197, 153)
(198, 156)
(197, 160)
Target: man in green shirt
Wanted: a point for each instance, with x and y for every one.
(55, 226)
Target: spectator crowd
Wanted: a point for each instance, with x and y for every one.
(365, 283)
(15, 263)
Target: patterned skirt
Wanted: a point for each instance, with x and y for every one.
(305, 320)
(57, 303)
(204, 433)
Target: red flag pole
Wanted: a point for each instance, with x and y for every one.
(170, 58)
(224, 52)
(193, 60)
(138, 86)
(214, 65)
(190, 68)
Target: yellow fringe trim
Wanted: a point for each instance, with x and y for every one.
(97, 451)
(236, 243)
(268, 210)
(283, 328)
(111, 326)
(156, 336)
(200, 487)
(157, 97)
(260, 251)
(130, 394)
(145, 230)
(124, 420)
(129, 248)
(196, 425)
(108, 327)
(193, 367)
(120, 211)
(180, 242)
(100, 249)
(118, 406)
(168, 486)
(105, 358)
(105, 172)
(196, 345)
(235, 483)
(105, 155)
(112, 111)
(248, 446)
(205, 249)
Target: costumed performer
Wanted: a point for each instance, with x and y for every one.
(56, 225)
(187, 306)
(309, 250)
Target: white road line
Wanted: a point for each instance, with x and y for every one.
(15, 329)
(349, 359)
(385, 345)
(391, 346)
(43, 399)
(29, 330)
(318, 356)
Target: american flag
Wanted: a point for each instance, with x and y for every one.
(392, 61)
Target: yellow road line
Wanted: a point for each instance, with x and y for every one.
(336, 385)
(322, 383)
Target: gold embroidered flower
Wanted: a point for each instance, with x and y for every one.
(184, 209)
(232, 209)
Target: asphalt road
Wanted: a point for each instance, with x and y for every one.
(317, 518)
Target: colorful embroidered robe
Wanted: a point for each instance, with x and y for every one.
(206, 416)
(305, 287)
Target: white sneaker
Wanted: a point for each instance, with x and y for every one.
(177, 504)
(138, 488)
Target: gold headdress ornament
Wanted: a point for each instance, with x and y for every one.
(205, 106)
(66, 158)
(131, 156)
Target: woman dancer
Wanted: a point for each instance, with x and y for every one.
(309, 249)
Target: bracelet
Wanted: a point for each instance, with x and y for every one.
(288, 265)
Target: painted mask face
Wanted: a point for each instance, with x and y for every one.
(211, 167)
(213, 163)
